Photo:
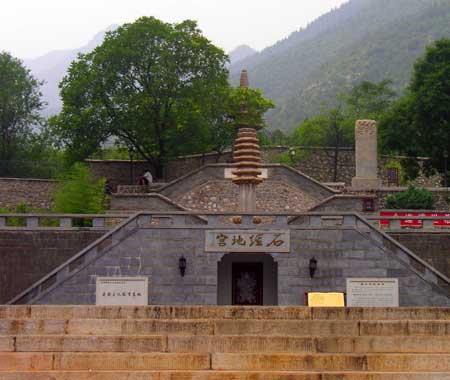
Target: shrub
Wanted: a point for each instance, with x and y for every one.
(80, 193)
(411, 199)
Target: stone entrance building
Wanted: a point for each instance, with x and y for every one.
(190, 259)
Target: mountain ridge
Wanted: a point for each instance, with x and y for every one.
(51, 67)
(361, 40)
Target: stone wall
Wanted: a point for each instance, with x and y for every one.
(318, 163)
(341, 252)
(271, 196)
(27, 256)
(434, 248)
(36, 193)
(118, 172)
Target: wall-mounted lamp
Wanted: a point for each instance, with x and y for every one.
(182, 265)
(312, 267)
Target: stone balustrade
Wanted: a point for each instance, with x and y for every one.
(60, 221)
(420, 221)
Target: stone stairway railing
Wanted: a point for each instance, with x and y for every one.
(230, 343)
(60, 221)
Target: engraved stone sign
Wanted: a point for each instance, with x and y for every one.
(372, 292)
(122, 291)
(247, 241)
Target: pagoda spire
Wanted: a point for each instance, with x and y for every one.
(247, 155)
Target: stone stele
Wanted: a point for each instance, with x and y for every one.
(366, 155)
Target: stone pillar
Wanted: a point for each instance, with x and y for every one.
(366, 155)
(247, 197)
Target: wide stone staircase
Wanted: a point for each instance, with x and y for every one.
(231, 343)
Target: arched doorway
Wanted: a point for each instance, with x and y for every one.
(247, 279)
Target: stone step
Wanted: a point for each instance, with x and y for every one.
(48, 343)
(305, 328)
(318, 328)
(69, 361)
(101, 361)
(332, 362)
(284, 344)
(224, 344)
(287, 327)
(388, 328)
(221, 312)
(153, 312)
(104, 327)
(218, 375)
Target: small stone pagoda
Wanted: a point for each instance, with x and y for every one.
(247, 156)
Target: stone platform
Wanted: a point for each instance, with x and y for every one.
(207, 342)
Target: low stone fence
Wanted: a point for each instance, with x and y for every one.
(412, 221)
(60, 221)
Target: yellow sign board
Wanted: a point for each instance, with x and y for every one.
(326, 300)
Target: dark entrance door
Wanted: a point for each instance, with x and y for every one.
(247, 283)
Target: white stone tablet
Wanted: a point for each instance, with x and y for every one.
(372, 292)
(122, 291)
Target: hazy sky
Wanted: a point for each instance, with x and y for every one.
(29, 28)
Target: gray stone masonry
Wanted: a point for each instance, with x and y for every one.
(344, 246)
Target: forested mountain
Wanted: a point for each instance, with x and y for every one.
(362, 40)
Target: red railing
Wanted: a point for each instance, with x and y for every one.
(416, 222)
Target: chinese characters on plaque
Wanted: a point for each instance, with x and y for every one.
(122, 291)
(372, 292)
(248, 241)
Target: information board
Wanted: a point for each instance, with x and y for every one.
(372, 292)
(122, 291)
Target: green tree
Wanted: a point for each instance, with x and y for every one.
(20, 103)
(223, 128)
(150, 84)
(331, 129)
(419, 123)
(370, 100)
(80, 193)
(334, 127)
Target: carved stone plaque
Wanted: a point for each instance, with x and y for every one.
(372, 292)
(247, 241)
(122, 291)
